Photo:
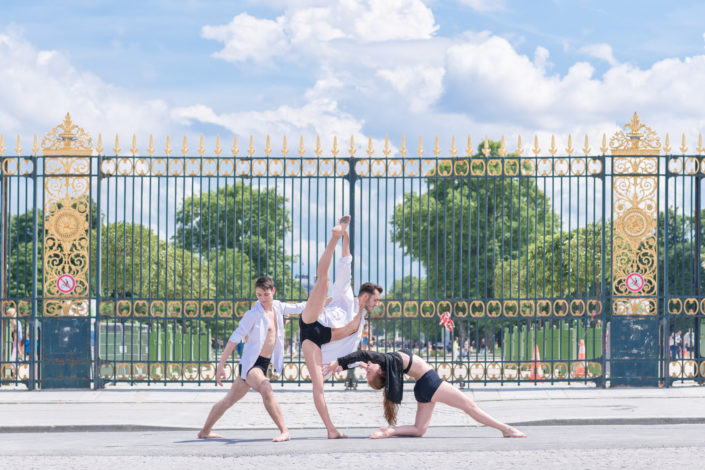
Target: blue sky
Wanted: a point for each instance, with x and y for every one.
(353, 67)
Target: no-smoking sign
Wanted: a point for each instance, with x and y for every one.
(66, 283)
(634, 282)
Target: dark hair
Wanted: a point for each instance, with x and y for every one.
(370, 288)
(390, 408)
(264, 282)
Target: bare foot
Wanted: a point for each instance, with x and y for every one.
(381, 433)
(209, 435)
(512, 432)
(341, 226)
(335, 434)
(282, 437)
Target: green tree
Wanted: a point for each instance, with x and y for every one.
(249, 221)
(461, 227)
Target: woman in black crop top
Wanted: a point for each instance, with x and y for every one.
(387, 371)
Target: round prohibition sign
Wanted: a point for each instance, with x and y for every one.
(66, 283)
(634, 282)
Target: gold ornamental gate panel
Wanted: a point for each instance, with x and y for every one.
(65, 333)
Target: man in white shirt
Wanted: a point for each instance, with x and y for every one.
(321, 341)
(263, 325)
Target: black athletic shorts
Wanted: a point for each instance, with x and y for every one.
(261, 363)
(426, 386)
(315, 332)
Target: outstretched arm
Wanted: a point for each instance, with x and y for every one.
(361, 356)
(220, 372)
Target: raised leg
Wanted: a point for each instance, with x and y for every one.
(424, 411)
(236, 392)
(451, 396)
(312, 353)
(257, 380)
(317, 297)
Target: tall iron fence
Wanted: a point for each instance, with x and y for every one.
(554, 267)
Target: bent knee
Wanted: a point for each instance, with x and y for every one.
(420, 431)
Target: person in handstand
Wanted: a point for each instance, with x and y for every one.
(387, 371)
(320, 340)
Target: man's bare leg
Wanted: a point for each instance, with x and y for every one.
(317, 296)
(314, 361)
(236, 392)
(260, 383)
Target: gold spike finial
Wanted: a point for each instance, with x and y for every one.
(2, 146)
(667, 145)
(436, 148)
(251, 148)
(553, 148)
(201, 147)
(301, 150)
(218, 149)
(386, 151)
(453, 151)
(133, 149)
(167, 148)
(536, 150)
(604, 148)
(403, 150)
(99, 148)
(318, 150)
(683, 149)
(519, 151)
(502, 148)
(486, 148)
(116, 148)
(419, 151)
(370, 151)
(285, 148)
(18, 149)
(586, 147)
(267, 147)
(352, 149)
(235, 150)
(35, 147)
(335, 150)
(569, 149)
(150, 149)
(468, 149)
(699, 148)
(184, 149)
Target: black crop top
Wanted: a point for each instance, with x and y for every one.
(392, 365)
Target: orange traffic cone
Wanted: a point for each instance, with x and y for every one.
(536, 369)
(580, 366)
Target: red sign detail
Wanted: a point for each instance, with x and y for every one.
(634, 282)
(66, 283)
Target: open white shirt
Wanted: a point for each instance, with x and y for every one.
(254, 325)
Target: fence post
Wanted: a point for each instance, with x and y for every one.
(35, 247)
(352, 178)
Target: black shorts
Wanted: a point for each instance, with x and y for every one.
(261, 363)
(315, 332)
(426, 386)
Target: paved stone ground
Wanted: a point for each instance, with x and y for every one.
(547, 447)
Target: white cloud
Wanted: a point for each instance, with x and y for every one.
(40, 87)
(490, 80)
(307, 28)
(248, 38)
(420, 85)
(600, 51)
(485, 5)
(320, 116)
